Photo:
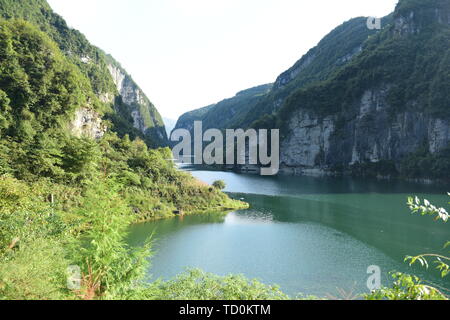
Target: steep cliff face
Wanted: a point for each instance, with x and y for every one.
(382, 111)
(110, 82)
(320, 144)
(146, 118)
(87, 123)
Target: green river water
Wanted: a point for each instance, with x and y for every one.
(307, 235)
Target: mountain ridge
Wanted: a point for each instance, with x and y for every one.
(226, 113)
(135, 119)
(382, 111)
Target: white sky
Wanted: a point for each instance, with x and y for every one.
(186, 54)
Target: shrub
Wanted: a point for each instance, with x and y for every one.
(198, 285)
(219, 184)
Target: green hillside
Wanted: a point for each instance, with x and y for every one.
(67, 176)
(255, 106)
(227, 113)
(93, 63)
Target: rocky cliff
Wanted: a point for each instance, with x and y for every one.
(319, 145)
(394, 121)
(125, 104)
(146, 118)
(366, 102)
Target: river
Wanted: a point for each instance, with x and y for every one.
(310, 236)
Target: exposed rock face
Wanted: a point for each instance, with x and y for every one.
(289, 75)
(309, 138)
(371, 134)
(369, 129)
(145, 116)
(405, 24)
(411, 20)
(130, 93)
(87, 123)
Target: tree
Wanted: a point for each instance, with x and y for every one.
(219, 184)
(109, 266)
(427, 208)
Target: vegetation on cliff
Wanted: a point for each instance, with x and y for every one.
(227, 113)
(407, 60)
(68, 200)
(93, 63)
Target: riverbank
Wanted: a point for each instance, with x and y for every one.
(295, 226)
(43, 237)
(325, 172)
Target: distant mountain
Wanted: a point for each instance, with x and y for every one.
(131, 111)
(227, 113)
(364, 102)
(334, 51)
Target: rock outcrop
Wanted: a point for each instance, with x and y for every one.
(108, 80)
(371, 135)
(87, 123)
(373, 126)
(146, 118)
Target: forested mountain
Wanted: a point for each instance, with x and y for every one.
(387, 111)
(335, 50)
(75, 164)
(227, 113)
(367, 101)
(131, 111)
(53, 127)
(78, 167)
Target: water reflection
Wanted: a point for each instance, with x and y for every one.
(309, 235)
(378, 220)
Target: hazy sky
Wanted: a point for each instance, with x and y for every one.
(187, 54)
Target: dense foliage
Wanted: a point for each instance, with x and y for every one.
(261, 102)
(70, 41)
(197, 285)
(47, 228)
(93, 63)
(68, 200)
